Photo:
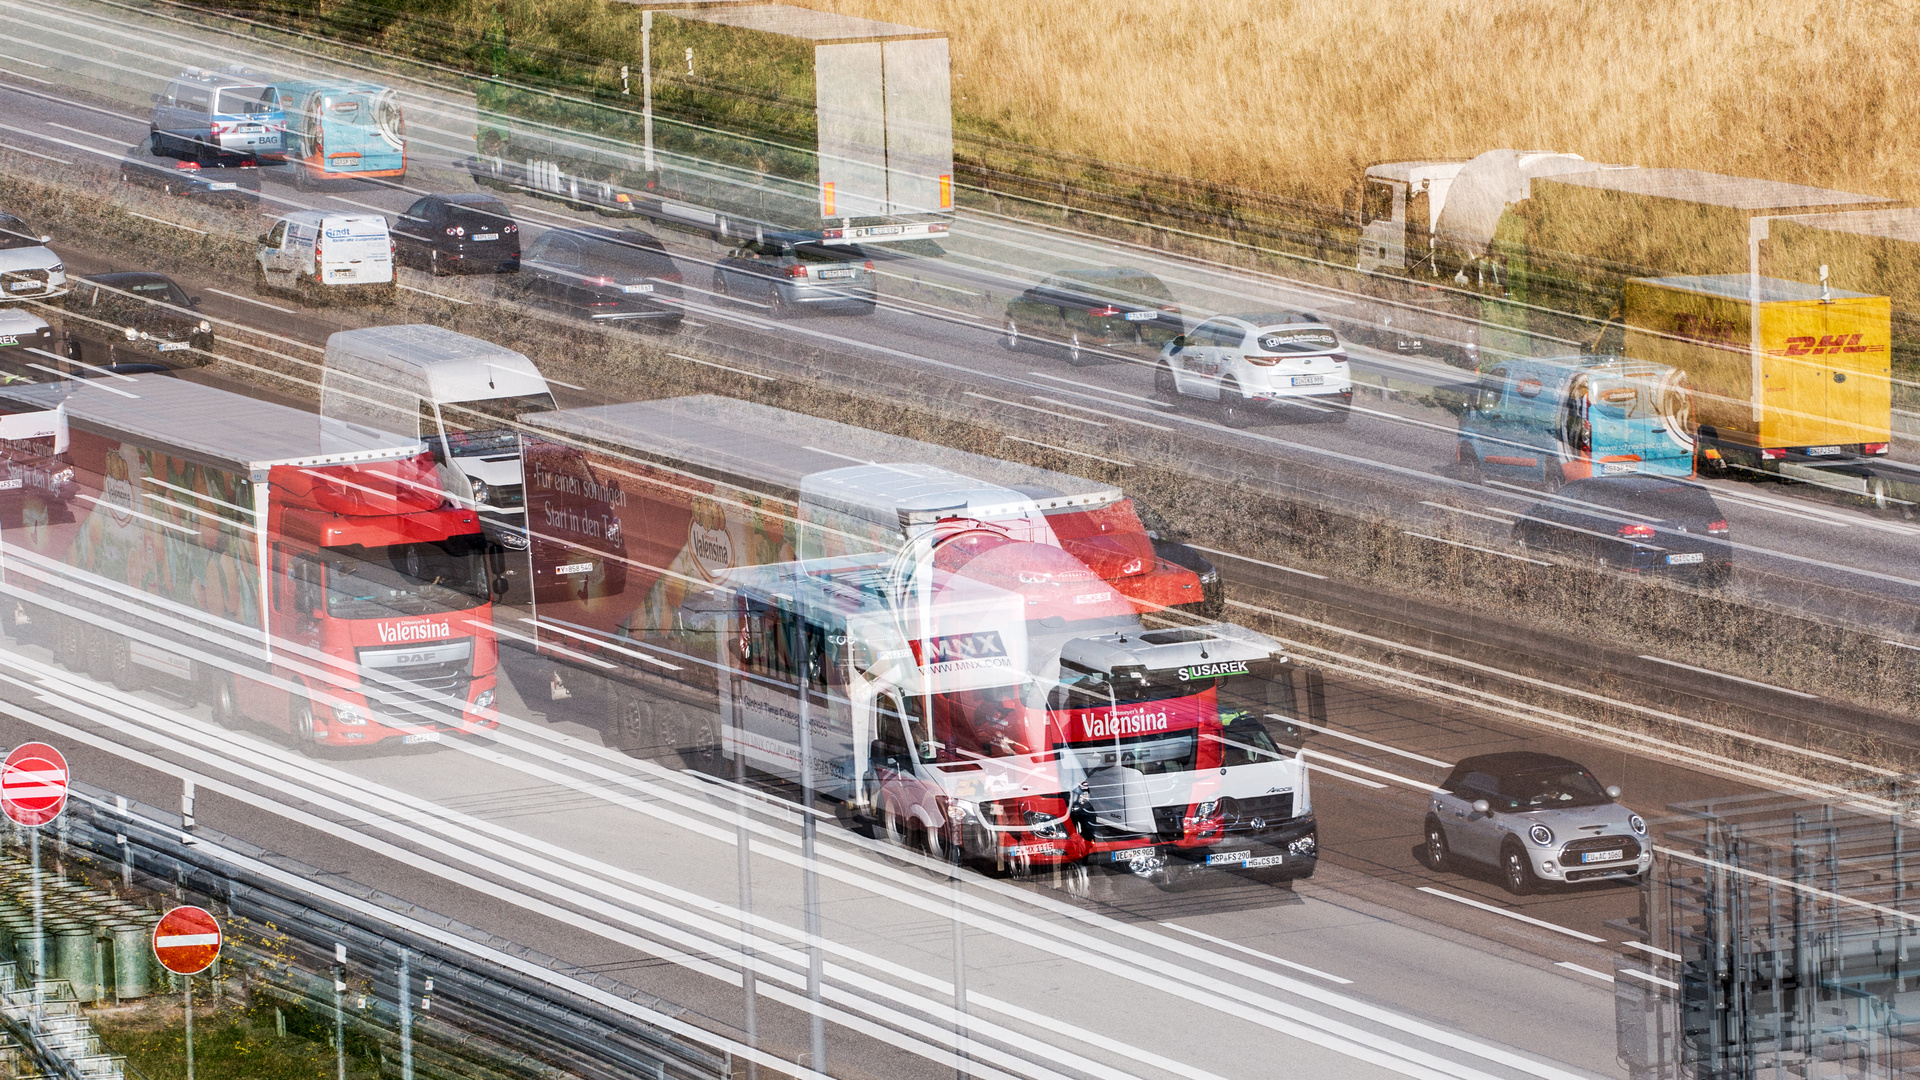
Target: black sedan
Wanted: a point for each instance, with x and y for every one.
(136, 317)
(1640, 524)
(606, 275)
(1078, 310)
(450, 234)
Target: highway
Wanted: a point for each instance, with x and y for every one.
(621, 858)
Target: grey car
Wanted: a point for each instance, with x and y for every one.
(1537, 819)
(790, 273)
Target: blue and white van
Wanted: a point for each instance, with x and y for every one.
(1565, 418)
(342, 130)
(212, 116)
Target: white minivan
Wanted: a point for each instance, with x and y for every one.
(460, 394)
(319, 253)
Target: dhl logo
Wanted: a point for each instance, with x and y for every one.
(1826, 344)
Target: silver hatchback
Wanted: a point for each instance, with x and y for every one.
(1536, 818)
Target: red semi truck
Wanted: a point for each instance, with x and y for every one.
(300, 573)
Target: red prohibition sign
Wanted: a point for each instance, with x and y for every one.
(187, 940)
(33, 784)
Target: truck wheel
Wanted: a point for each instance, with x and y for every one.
(70, 645)
(719, 285)
(222, 699)
(1516, 870)
(300, 727)
(117, 660)
(1435, 853)
(1234, 410)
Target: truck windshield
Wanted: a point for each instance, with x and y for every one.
(1165, 752)
(478, 413)
(406, 579)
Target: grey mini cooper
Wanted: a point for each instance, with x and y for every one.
(1537, 818)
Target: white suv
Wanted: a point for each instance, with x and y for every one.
(28, 269)
(1253, 363)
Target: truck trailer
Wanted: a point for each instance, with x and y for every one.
(300, 573)
(733, 120)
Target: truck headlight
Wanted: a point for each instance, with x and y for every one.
(132, 334)
(480, 493)
(484, 701)
(1044, 826)
(1540, 834)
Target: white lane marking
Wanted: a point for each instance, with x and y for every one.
(1650, 977)
(1270, 958)
(1100, 389)
(33, 153)
(1377, 746)
(30, 78)
(17, 60)
(164, 221)
(1469, 513)
(1476, 547)
(84, 131)
(364, 206)
(1257, 562)
(251, 300)
(1644, 947)
(435, 295)
(1035, 408)
(1064, 450)
(1497, 910)
(1098, 412)
(722, 367)
(1420, 785)
(1363, 782)
(931, 285)
(1901, 644)
(95, 383)
(1571, 966)
(1731, 678)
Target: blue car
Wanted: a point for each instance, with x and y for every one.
(1551, 421)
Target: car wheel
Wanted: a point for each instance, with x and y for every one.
(1076, 356)
(156, 143)
(1013, 340)
(1165, 387)
(1469, 464)
(1234, 409)
(1516, 870)
(777, 305)
(1435, 853)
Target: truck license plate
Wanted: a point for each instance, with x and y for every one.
(420, 737)
(1309, 380)
(834, 275)
(174, 346)
(1686, 557)
(1135, 854)
(1229, 858)
(1603, 856)
(1822, 451)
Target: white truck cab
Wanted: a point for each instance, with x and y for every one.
(460, 394)
(314, 252)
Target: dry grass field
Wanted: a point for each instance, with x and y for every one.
(1294, 96)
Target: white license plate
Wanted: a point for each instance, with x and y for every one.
(340, 273)
(1603, 856)
(1309, 380)
(223, 185)
(486, 236)
(574, 568)
(174, 346)
(1822, 451)
(1134, 854)
(424, 736)
(1265, 861)
(1142, 316)
(1615, 468)
(25, 286)
(14, 484)
(636, 288)
(834, 275)
(884, 230)
(1686, 557)
(1229, 858)
(1033, 849)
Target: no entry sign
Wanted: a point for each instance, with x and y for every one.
(33, 784)
(186, 940)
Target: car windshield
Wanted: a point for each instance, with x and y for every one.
(1552, 789)
(245, 101)
(809, 253)
(406, 579)
(163, 291)
(1633, 496)
(629, 258)
(479, 217)
(1129, 288)
(1296, 339)
(15, 234)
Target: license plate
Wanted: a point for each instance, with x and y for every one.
(1309, 380)
(174, 346)
(1229, 858)
(1603, 856)
(14, 484)
(1033, 849)
(340, 273)
(25, 286)
(574, 568)
(1685, 558)
(1615, 468)
(1142, 316)
(249, 128)
(223, 185)
(884, 230)
(486, 236)
(1822, 451)
(1265, 861)
(636, 288)
(1134, 854)
(832, 275)
(424, 736)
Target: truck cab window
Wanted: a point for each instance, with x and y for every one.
(1376, 201)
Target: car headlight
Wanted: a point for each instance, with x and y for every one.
(480, 493)
(484, 701)
(1540, 834)
(132, 334)
(205, 326)
(1210, 577)
(57, 268)
(1638, 824)
(349, 715)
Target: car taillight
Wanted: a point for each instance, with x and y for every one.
(1772, 453)
(598, 281)
(194, 165)
(390, 248)
(1261, 361)
(603, 303)
(870, 270)
(456, 230)
(1636, 532)
(670, 275)
(1717, 528)
(1874, 448)
(1170, 309)
(1107, 312)
(509, 227)
(797, 270)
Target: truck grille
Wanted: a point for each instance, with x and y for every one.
(426, 684)
(1257, 814)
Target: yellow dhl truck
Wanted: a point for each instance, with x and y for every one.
(1811, 383)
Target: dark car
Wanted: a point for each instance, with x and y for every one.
(1645, 524)
(1077, 310)
(450, 234)
(136, 317)
(1537, 818)
(234, 184)
(788, 273)
(605, 275)
(1172, 544)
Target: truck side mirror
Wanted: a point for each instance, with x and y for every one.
(500, 586)
(1482, 806)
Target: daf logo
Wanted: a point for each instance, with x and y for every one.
(414, 658)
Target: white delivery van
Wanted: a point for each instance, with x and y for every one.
(459, 394)
(318, 253)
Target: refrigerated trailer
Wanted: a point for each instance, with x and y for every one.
(300, 573)
(734, 120)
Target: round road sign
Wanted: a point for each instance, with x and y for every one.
(33, 784)
(186, 940)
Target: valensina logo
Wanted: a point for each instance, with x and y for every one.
(400, 633)
(1102, 725)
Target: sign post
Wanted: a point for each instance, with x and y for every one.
(33, 792)
(187, 942)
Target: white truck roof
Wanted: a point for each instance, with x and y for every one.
(205, 424)
(433, 362)
(903, 495)
(774, 450)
